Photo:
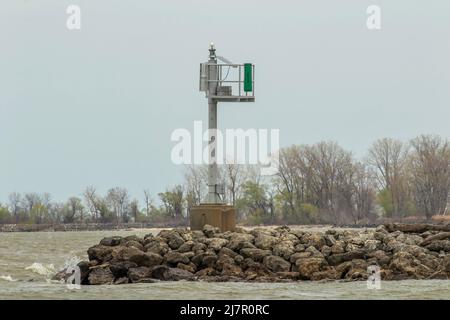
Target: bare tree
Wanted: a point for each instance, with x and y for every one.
(173, 201)
(30, 199)
(364, 194)
(96, 205)
(388, 157)
(74, 210)
(118, 200)
(195, 182)
(234, 176)
(15, 201)
(148, 202)
(290, 179)
(430, 171)
(134, 209)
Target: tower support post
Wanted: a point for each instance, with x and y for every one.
(213, 210)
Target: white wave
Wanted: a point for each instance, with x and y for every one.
(7, 278)
(42, 269)
(72, 261)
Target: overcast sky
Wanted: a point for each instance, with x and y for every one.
(97, 106)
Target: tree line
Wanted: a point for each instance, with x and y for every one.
(319, 183)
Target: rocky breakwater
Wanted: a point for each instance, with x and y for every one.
(267, 255)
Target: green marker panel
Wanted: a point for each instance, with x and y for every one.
(248, 81)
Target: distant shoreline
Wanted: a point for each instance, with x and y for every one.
(73, 227)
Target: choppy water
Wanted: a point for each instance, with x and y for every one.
(27, 261)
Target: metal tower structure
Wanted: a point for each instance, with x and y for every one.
(221, 82)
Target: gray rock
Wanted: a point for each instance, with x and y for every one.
(123, 280)
(338, 247)
(308, 266)
(111, 241)
(228, 252)
(134, 238)
(120, 268)
(276, 264)
(209, 231)
(315, 239)
(299, 255)
(157, 247)
(216, 243)
(100, 276)
(134, 244)
(336, 259)
(158, 272)
(284, 249)
(326, 251)
(209, 260)
(176, 274)
(174, 257)
(238, 259)
(439, 245)
(187, 246)
(371, 245)
(255, 254)
(381, 257)
(135, 274)
(149, 259)
(265, 242)
(100, 252)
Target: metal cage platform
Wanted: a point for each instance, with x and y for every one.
(229, 82)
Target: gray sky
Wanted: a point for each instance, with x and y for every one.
(97, 106)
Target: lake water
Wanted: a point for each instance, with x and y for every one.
(28, 260)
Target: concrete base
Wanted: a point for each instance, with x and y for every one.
(218, 215)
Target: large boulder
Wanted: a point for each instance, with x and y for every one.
(357, 270)
(146, 259)
(120, 268)
(228, 252)
(406, 264)
(284, 249)
(299, 255)
(265, 242)
(187, 246)
(233, 270)
(308, 266)
(380, 256)
(188, 267)
(439, 245)
(371, 245)
(101, 275)
(172, 237)
(138, 273)
(149, 259)
(327, 274)
(174, 257)
(198, 246)
(276, 264)
(111, 241)
(209, 231)
(209, 260)
(216, 243)
(100, 253)
(134, 238)
(336, 259)
(255, 254)
(316, 240)
(134, 244)
(338, 247)
(157, 247)
(446, 264)
(176, 274)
